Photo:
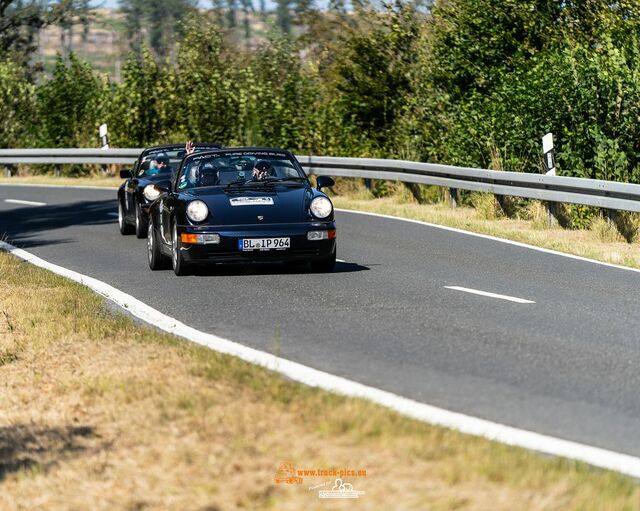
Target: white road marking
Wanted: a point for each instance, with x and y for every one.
(25, 202)
(341, 261)
(596, 456)
(493, 238)
(490, 295)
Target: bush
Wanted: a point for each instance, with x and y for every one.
(17, 106)
(68, 105)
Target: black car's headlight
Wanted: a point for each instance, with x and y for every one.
(321, 207)
(197, 211)
(151, 193)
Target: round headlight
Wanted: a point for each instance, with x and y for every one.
(321, 207)
(150, 192)
(197, 211)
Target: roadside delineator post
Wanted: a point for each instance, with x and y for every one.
(550, 170)
(103, 135)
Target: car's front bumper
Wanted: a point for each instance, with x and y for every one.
(227, 250)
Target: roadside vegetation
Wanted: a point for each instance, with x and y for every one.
(407, 79)
(99, 409)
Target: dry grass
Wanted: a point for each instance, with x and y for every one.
(601, 242)
(100, 413)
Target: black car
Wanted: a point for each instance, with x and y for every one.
(132, 204)
(241, 204)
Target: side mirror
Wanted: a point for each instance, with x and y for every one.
(324, 182)
(126, 174)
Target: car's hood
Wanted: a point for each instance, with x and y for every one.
(276, 204)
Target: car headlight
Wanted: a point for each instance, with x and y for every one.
(197, 211)
(321, 207)
(151, 193)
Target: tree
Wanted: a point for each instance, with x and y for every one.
(17, 106)
(68, 105)
(156, 21)
(232, 13)
(21, 20)
(283, 14)
(206, 96)
(280, 109)
(137, 108)
(372, 70)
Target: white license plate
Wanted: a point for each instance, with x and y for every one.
(262, 244)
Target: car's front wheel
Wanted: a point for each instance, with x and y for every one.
(123, 225)
(326, 264)
(141, 222)
(157, 260)
(180, 267)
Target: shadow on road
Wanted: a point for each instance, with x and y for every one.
(24, 226)
(269, 268)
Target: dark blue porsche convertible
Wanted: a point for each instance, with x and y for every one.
(241, 204)
(153, 165)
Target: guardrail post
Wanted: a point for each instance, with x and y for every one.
(8, 170)
(552, 212)
(57, 171)
(610, 215)
(453, 197)
(367, 183)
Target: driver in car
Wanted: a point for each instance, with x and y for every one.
(262, 170)
(163, 163)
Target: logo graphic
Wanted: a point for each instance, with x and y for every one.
(340, 490)
(286, 474)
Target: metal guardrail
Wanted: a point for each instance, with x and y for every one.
(591, 192)
(68, 156)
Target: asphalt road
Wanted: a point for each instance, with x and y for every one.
(567, 365)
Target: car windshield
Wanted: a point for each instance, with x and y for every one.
(160, 161)
(240, 168)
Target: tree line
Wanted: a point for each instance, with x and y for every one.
(464, 82)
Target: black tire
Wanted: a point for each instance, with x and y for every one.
(142, 222)
(123, 225)
(325, 265)
(157, 260)
(180, 267)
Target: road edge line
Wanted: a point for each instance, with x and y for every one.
(492, 238)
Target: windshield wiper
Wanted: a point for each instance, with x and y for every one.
(272, 179)
(247, 184)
